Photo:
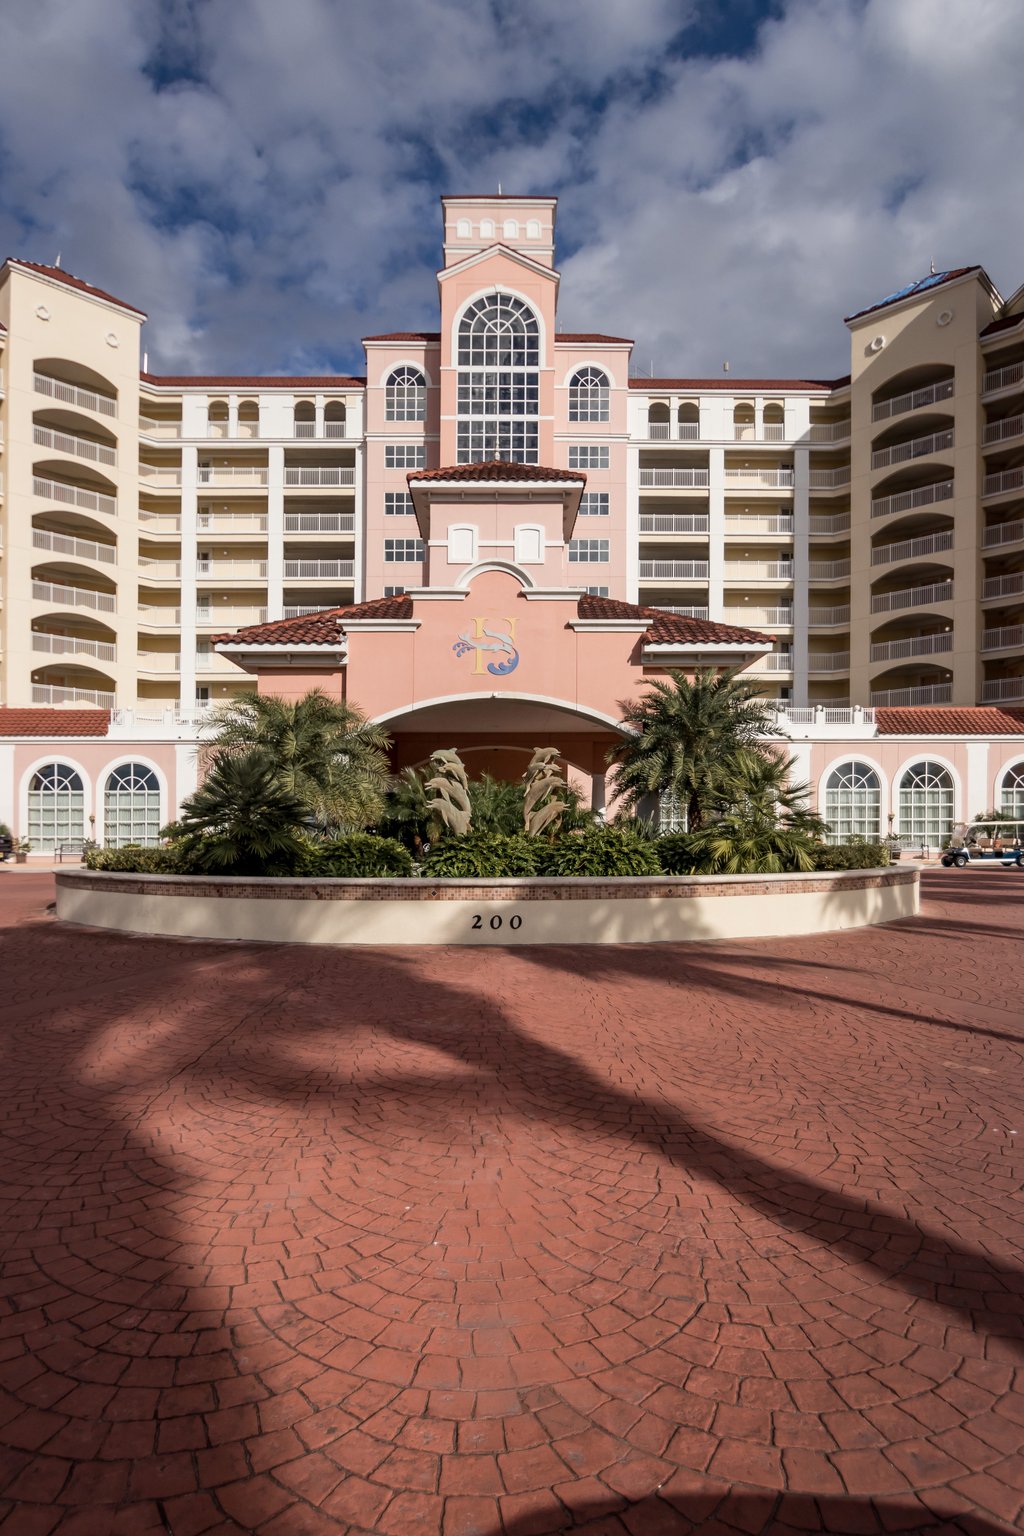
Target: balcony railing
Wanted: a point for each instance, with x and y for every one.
(318, 570)
(229, 570)
(224, 522)
(828, 661)
(160, 570)
(769, 522)
(155, 615)
(906, 698)
(906, 501)
(320, 522)
(825, 524)
(912, 597)
(73, 645)
(673, 479)
(149, 426)
(828, 618)
(161, 523)
(1003, 378)
(913, 400)
(915, 448)
(824, 713)
(738, 571)
(230, 618)
(70, 442)
(232, 474)
(1002, 690)
(781, 618)
(999, 431)
(74, 496)
(159, 661)
(45, 693)
(830, 431)
(1004, 586)
(686, 611)
(308, 429)
(1006, 480)
(916, 645)
(73, 597)
(828, 570)
(674, 522)
(775, 661)
(829, 479)
(319, 478)
(1008, 637)
(160, 475)
(912, 549)
(673, 570)
(81, 549)
(298, 612)
(760, 479)
(70, 394)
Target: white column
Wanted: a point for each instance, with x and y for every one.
(716, 533)
(759, 419)
(632, 592)
(232, 416)
(189, 497)
(7, 811)
(186, 775)
(801, 571)
(978, 793)
(318, 414)
(597, 794)
(275, 531)
(359, 525)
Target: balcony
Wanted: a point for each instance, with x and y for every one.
(673, 570)
(1009, 637)
(769, 522)
(73, 597)
(160, 524)
(230, 570)
(824, 662)
(230, 618)
(319, 570)
(80, 549)
(777, 618)
(1003, 586)
(151, 426)
(823, 525)
(73, 645)
(1006, 480)
(300, 611)
(74, 496)
(70, 442)
(673, 431)
(48, 693)
(829, 618)
(673, 479)
(1001, 431)
(749, 478)
(931, 394)
(231, 523)
(319, 478)
(828, 570)
(907, 698)
(686, 612)
(830, 431)
(914, 448)
(906, 501)
(915, 645)
(159, 570)
(829, 479)
(233, 476)
(167, 663)
(997, 379)
(1002, 690)
(775, 661)
(1003, 533)
(912, 549)
(737, 572)
(326, 522)
(912, 597)
(70, 394)
(673, 522)
(159, 477)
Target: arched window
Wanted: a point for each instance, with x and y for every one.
(463, 229)
(588, 395)
(406, 395)
(56, 807)
(499, 357)
(1013, 792)
(533, 229)
(131, 807)
(487, 229)
(926, 804)
(510, 230)
(853, 803)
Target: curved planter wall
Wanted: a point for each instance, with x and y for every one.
(669, 909)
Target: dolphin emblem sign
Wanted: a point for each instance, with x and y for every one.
(490, 636)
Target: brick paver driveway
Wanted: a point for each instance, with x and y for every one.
(509, 1242)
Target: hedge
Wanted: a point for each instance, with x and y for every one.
(133, 859)
(360, 856)
(599, 852)
(851, 856)
(482, 856)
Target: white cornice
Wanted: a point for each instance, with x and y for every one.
(497, 248)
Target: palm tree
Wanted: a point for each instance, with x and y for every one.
(242, 819)
(325, 752)
(767, 793)
(746, 845)
(693, 738)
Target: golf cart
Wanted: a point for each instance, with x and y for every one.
(986, 842)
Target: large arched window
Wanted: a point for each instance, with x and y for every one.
(56, 807)
(131, 807)
(1013, 792)
(499, 357)
(405, 395)
(926, 804)
(588, 395)
(853, 803)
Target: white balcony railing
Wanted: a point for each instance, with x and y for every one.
(913, 549)
(830, 431)
(915, 448)
(74, 496)
(829, 618)
(156, 616)
(824, 712)
(906, 501)
(686, 611)
(160, 570)
(226, 475)
(230, 618)
(149, 426)
(224, 522)
(1003, 378)
(1002, 690)
(230, 570)
(73, 597)
(738, 571)
(46, 693)
(70, 394)
(768, 522)
(915, 645)
(73, 645)
(999, 431)
(760, 479)
(1004, 586)
(298, 612)
(673, 570)
(70, 442)
(1006, 480)
(775, 661)
(828, 661)
(309, 429)
(1008, 637)
(319, 522)
(829, 479)
(931, 394)
(159, 661)
(160, 522)
(780, 618)
(81, 549)
(905, 698)
(828, 570)
(673, 479)
(825, 524)
(318, 478)
(912, 597)
(318, 570)
(674, 522)
(157, 475)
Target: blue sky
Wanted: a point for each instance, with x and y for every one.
(734, 175)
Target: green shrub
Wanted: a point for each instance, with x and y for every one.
(599, 851)
(359, 856)
(676, 854)
(133, 859)
(481, 856)
(850, 856)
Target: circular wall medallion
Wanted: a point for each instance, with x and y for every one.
(42, 312)
(945, 317)
(877, 344)
(111, 339)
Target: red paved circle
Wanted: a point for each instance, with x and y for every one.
(501, 1243)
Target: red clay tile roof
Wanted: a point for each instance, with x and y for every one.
(950, 720)
(670, 628)
(255, 381)
(406, 336)
(493, 197)
(574, 336)
(54, 722)
(913, 290)
(495, 470)
(322, 628)
(1004, 324)
(70, 281)
(725, 382)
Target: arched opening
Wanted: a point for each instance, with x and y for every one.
(853, 803)
(249, 418)
(589, 395)
(1011, 801)
(688, 417)
(56, 807)
(335, 417)
(774, 422)
(498, 381)
(743, 421)
(304, 418)
(926, 804)
(131, 806)
(658, 420)
(67, 682)
(405, 395)
(73, 384)
(217, 418)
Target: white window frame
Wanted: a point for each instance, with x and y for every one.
(398, 504)
(589, 394)
(405, 456)
(405, 393)
(588, 456)
(397, 551)
(595, 504)
(589, 551)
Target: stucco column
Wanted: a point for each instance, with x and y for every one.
(632, 592)
(978, 792)
(7, 810)
(597, 794)
(189, 497)
(232, 416)
(801, 570)
(275, 531)
(318, 416)
(716, 533)
(186, 775)
(359, 526)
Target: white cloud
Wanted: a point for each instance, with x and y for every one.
(270, 211)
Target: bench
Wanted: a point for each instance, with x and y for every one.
(75, 847)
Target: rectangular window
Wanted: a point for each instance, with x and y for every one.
(397, 503)
(596, 591)
(582, 456)
(594, 504)
(480, 441)
(393, 591)
(404, 456)
(402, 551)
(588, 551)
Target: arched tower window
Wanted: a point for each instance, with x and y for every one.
(499, 359)
(131, 807)
(56, 807)
(1013, 792)
(926, 804)
(405, 395)
(853, 803)
(588, 395)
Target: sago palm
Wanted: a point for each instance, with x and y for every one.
(765, 791)
(242, 819)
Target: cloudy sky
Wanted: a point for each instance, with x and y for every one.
(734, 175)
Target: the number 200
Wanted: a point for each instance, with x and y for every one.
(514, 922)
